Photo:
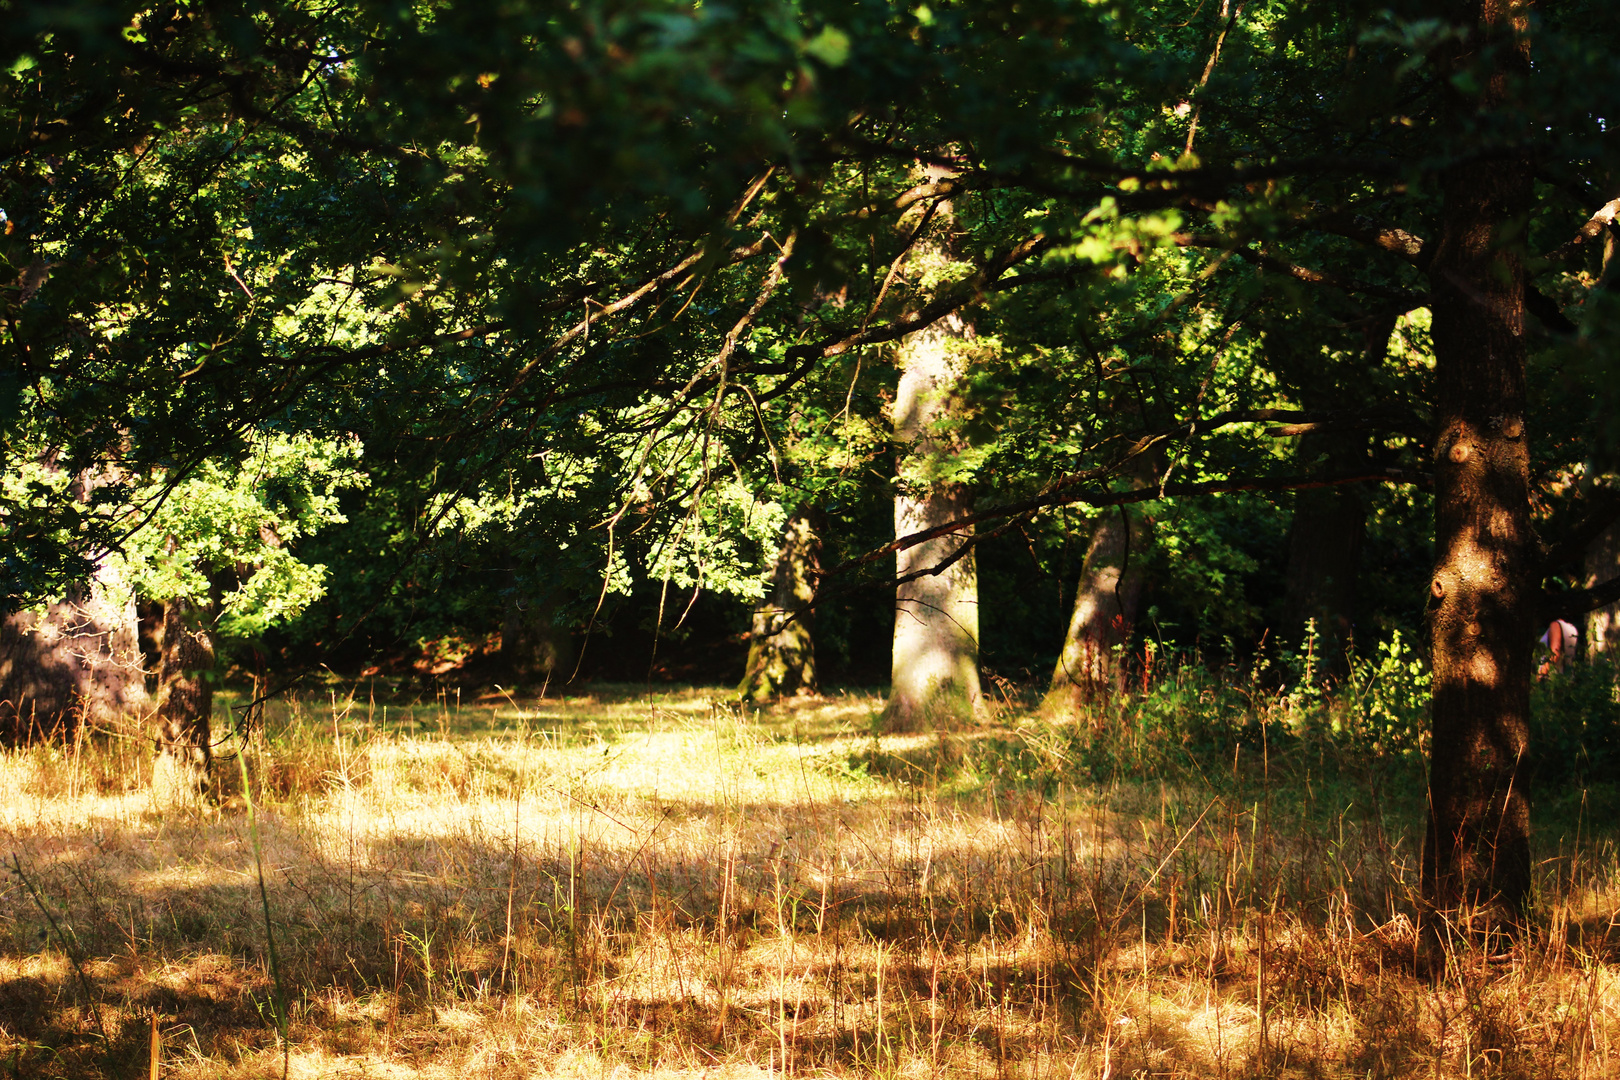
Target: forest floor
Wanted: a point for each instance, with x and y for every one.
(632, 883)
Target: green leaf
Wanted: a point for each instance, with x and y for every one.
(831, 46)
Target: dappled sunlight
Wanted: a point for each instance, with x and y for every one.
(1482, 669)
(668, 888)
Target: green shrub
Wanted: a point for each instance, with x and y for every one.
(1574, 728)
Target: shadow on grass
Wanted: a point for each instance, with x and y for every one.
(929, 899)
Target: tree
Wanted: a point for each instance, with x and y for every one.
(1105, 604)
(219, 556)
(185, 696)
(1602, 563)
(1477, 844)
(781, 648)
(533, 644)
(75, 661)
(531, 253)
(935, 661)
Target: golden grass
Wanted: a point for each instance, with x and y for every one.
(635, 885)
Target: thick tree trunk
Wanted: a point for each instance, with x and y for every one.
(782, 654)
(185, 697)
(77, 663)
(1477, 848)
(935, 664)
(1104, 613)
(80, 661)
(533, 646)
(1603, 564)
(1324, 554)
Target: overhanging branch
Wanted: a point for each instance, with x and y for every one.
(1066, 497)
(1564, 605)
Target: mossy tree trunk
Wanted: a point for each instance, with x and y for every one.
(185, 696)
(935, 664)
(781, 645)
(1477, 847)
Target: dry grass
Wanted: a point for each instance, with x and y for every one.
(629, 885)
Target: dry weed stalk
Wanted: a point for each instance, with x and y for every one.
(571, 888)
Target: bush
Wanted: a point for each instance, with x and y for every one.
(1574, 728)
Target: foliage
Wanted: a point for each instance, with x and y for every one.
(1389, 692)
(228, 535)
(1184, 721)
(645, 263)
(1574, 729)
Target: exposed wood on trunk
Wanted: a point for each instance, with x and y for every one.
(1482, 593)
(185, 697)
(782, 653)
(935, 664)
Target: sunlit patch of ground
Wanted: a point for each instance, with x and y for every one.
(634, 884)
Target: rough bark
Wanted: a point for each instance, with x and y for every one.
(1603, 564)
(782, 654)
(185, 697)
(77, 663)
(80, 660)
(935, 664)
(1324, 555)
(1105, 606)
(1481, 595)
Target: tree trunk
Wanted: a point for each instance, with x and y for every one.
(1324, 554)
(1104, 611)
(80, 661)
(185, 697)
(1603, 564)
(782, 658)
(533, 646)
(1477, 847)
(77, 663)
(935, 662)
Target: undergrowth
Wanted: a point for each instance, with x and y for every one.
(1212, 876)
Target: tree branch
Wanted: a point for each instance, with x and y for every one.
(1562, 605)
(1304, 273)
(1364, 230)
(1590, 231)
(802, 358)
(1415, 250)
(1061, 497)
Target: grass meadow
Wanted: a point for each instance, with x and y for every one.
(622, 883)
